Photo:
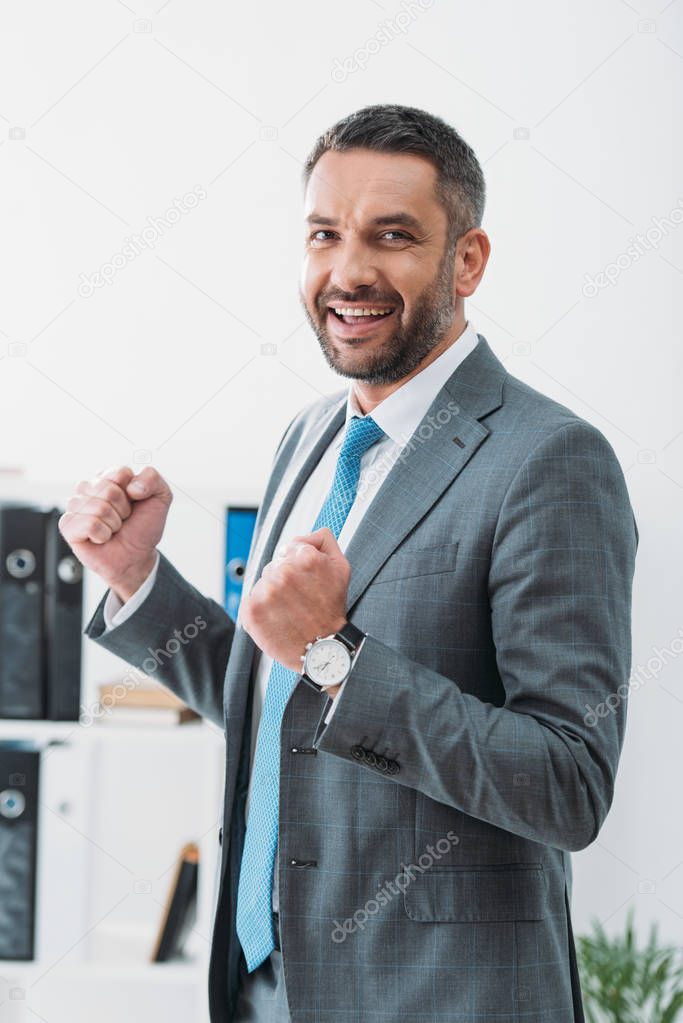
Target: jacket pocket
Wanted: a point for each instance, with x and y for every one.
(490, 894)
(418, 561)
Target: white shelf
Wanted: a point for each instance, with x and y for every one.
(192, 728)
(42, 731)
(19, 968)
(47, 731)
(176, 972)
(175, 992)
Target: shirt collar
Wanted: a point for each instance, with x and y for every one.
(402, 411)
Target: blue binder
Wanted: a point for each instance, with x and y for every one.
(239, 530)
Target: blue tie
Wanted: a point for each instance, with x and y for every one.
(254, 919)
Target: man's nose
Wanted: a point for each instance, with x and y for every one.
(352, 268)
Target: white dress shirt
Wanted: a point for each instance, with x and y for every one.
(398, 415)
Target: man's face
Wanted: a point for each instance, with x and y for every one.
(376, 241)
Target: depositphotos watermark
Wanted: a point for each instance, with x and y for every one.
(386, 33)
(639, 246)
(135, 676)
(428, 427)
(425, 431)
(135, 244)
(638, 677)
(390, 889)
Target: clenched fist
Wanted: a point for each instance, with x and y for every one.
(301, 594)
(114, 522)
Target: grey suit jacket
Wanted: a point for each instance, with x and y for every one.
(424, 832)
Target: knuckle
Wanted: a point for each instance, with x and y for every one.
(261, 596)
(100, 529)
(254, 611)
(116, 473)
(86, 506)
(107, 512)
(308, 561)
(110, 492)
(63, 523)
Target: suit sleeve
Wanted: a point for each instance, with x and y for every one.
(177, 636)
(543, 764)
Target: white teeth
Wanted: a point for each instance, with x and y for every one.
(361, 312)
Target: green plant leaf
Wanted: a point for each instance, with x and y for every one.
(625, 983)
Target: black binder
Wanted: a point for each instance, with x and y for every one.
(19, 771)
(41, 598)
(22, 611)
(63, 629)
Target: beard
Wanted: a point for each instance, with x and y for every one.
(409, 344)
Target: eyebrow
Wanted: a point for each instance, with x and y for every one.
(406, 219)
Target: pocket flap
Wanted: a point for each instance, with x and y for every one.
(490, 894)
(407, 562)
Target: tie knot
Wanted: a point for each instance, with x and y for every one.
(361, 434)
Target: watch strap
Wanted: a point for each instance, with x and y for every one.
(351, 636)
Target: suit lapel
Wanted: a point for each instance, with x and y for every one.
(448, 436)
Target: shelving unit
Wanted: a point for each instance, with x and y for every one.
(116, 805)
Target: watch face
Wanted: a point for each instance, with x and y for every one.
(327, 662)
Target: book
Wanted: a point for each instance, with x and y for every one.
(148, 704)
(180, 910)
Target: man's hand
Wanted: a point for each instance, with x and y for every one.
(301, 594)
(113, 523)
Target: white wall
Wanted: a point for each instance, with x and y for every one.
(165, 362)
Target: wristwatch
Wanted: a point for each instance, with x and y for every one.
(329, 659)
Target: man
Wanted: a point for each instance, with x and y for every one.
(452, 553)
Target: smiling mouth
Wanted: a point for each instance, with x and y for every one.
(355, 323)
(356, 315)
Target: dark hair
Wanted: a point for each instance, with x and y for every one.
(391, 128)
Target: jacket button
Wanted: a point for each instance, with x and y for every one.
(370, 758)
(392, 767)
(358, 753)
(382, 763)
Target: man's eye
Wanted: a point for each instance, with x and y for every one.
(315, 238)
(401, 234)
